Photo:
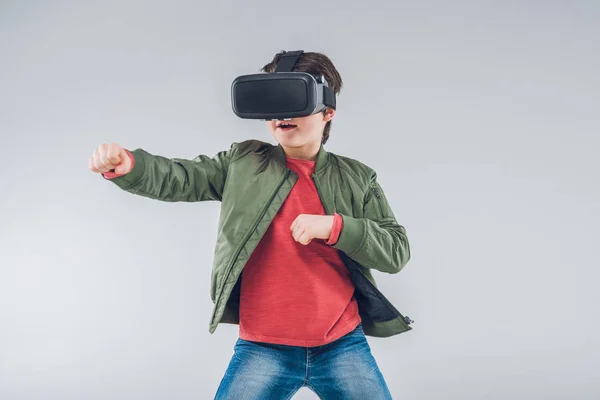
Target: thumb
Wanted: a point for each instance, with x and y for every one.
(125, 164)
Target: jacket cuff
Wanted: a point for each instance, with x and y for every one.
(353, 235)
(336, 229)
(132, 177)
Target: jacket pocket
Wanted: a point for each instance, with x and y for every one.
(378, 200)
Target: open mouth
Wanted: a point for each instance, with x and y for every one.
(285, 126)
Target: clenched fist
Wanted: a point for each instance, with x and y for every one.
(108, 157)
(307, 227)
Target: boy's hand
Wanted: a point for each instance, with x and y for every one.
(307, 227)
(108, 157)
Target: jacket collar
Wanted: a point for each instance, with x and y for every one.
(322, 157)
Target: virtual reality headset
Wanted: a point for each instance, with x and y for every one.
(282, 94)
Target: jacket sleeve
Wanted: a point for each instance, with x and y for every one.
(175, 179)
(376, 240)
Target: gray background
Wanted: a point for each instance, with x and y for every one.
(480, 117)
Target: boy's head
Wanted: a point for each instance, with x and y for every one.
(313, 128)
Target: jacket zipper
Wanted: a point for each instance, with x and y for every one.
(250, 231)
(314, 176)
(378, 195)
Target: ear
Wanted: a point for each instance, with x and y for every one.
(328, 114)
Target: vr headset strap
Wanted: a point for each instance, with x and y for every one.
(328, 97)
(288, 60)
(286, 64)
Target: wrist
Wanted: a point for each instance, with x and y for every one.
(335, 228)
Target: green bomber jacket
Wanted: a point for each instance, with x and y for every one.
(251, 180)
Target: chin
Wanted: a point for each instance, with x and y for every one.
(289, 141)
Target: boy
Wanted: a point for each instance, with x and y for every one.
(300, 231)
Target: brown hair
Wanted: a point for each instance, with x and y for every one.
(316, 64)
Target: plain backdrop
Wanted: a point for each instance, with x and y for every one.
(481, 119)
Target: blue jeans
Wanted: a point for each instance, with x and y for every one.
(343, 369)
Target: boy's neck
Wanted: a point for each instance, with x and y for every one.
(308, 152)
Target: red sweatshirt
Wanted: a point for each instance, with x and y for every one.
(295, 294)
